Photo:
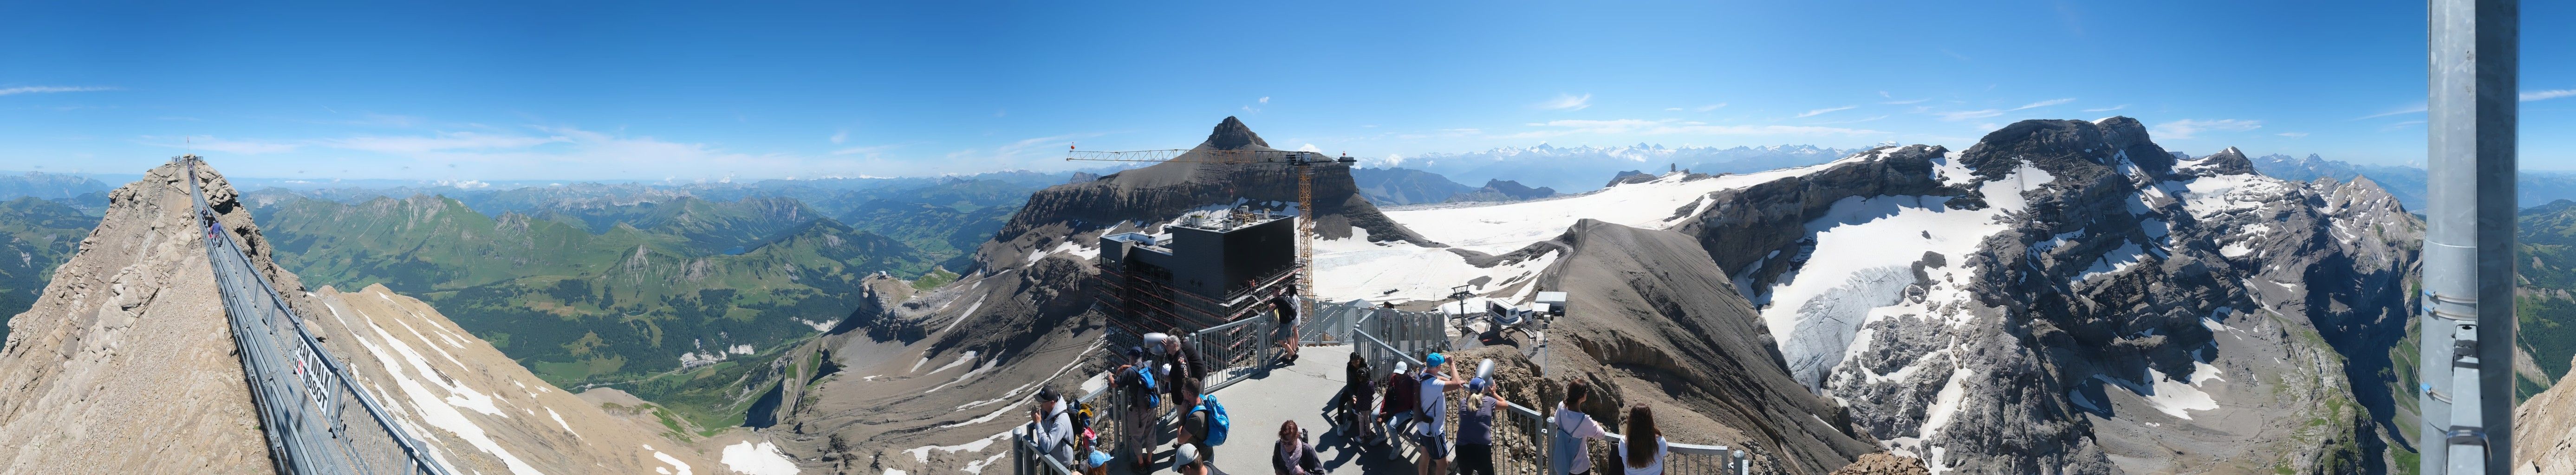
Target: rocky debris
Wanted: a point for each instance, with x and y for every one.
(1661, 324)
(2544, 432)
(1627, 177)
(1884, 463)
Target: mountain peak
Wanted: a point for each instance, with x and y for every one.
(1232, 134)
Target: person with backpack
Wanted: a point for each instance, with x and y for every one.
(1206, 425)
(1136, 380)
(1052, 427)
(1434, 405)
(1182, 367)
(1643, 457)
(1476, 428)
(1291, 312)
(1567, 454)
(1396, 408)
(1295, 456)
(1357, 391)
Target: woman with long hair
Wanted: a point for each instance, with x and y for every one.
(1295, 456)
(1642, 458)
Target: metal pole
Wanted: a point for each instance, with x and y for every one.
(2466, 390)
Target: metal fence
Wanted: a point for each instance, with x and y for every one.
(1384, 336)
(1235, 351)
(316, 418)
(1330, 323)
(1680, 459)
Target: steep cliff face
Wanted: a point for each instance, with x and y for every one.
(133, 322)
(2067, 297)
(1660, 323)
(2544, 432)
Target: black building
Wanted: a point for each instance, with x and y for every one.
(1206, 271)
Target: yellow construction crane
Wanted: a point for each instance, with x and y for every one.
(1303, 161)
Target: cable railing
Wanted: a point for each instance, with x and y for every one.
(302, 394)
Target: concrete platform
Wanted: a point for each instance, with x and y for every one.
(1300, 393)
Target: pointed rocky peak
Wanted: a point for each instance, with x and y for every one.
(1232, 134)
(2228, 162)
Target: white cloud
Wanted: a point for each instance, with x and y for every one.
(1676, 127)
(2045, 103)
(2409, 110)
(1907, 101)
(1568, 102)
(1310, 148)
(1965, 115)
(871, 150)
(211, 144)
(2294, 135)
(45, 89)
(2108, 109)
(2183, 129)
(841, 136)
(2400, 125)
(1813, 113)
(1709, 107)
(1265, 99)
(2528, 96)
(444, 141)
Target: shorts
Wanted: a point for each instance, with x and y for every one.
(1432, 446)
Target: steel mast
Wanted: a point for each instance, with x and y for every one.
(2466, 390)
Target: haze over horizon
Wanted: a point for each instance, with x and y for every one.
(516, 92)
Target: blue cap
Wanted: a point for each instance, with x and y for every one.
(1099, 458)
(1434, 361)
(1478, 385)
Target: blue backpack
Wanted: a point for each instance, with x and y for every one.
(1564, 448)
(1144, 381)
(1218, 423)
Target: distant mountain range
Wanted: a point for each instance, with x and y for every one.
(1581, 169)
(2533, 187)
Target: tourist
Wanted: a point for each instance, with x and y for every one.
(1356, 395)
(1136, 381)
(1291, 311)
(1184, 367)
(1432, 408)
(1642, 458)
(1193, 430)
(1186, 461)
(1476, 428)
(1295, 457)
(1052, 427)
(1572, 427)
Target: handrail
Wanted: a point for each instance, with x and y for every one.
(293, 442)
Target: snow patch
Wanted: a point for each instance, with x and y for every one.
(762, 459)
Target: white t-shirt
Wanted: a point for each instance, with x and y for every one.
(1583, 427)
(1654, 466)
(1434, 405)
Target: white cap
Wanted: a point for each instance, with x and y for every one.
(1186, 455)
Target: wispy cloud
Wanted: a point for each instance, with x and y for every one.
(1566, 102)
(2528, 96)
(2295, 135)
(2045, 103)
(2408, 110)
(1557, 128)
(1709, 107)
(1813, 113)
(871, 150)
(2108, 109)
(2186, 128)
(45, 89)
(212, 144)
(1907, 101)
(1956, 116)
(1265, 100)
(1856, 121)
(2401, 125)
(840, 136)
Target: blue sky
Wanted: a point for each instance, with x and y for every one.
(701, 91)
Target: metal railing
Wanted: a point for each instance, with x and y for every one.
(1330, 323)
(301, 392)
(1680, 458)
(1383, 336)
(1235, 350)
